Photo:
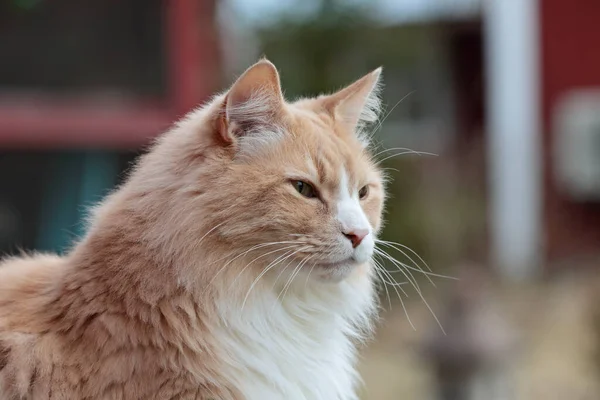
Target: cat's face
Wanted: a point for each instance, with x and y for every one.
(285, 185)
(316, 191)
(300, 184)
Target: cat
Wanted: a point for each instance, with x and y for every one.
(233, 263)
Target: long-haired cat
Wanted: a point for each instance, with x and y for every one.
(234, 263)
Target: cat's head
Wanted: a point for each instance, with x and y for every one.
(291, 183)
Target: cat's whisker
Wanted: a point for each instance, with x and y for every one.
(253, 248)
(211, 230)
(389, 169)
(296, 268)
(259, 257)
(395, 262)
(404, 149)
(387, 292)
(281, 273)
(406, 271)
(270, 266)
(384, 271)
(430, 273)
(418, 153)
(392, 281)
(378, 272)
(295, 272)
(277, 279)
(400, 268)
(308, 275)
(390, 243)
(302, 263)
(418, 269)
(387, 114)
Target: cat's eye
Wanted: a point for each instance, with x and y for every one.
(363, 192)
(305, 189)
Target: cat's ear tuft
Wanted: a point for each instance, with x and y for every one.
(254, 99)
(357, 104)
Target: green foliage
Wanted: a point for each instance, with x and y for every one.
(26, 4)
(334, 46)
(404, 212)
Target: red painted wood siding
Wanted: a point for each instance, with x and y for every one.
(193, 62)
(570, 58)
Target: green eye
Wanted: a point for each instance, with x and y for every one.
(363, 192)
(305, 189)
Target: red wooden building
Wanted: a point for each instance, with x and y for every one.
(541, 89)
(76, 117)
(83, 86)
(526, 80)
(569, 62)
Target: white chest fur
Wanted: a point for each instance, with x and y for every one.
(301, 346)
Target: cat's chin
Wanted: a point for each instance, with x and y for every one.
(335, 272)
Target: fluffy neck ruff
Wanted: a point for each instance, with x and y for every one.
(299, 341)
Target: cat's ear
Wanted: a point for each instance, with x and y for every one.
(255, 99)
(358, 103)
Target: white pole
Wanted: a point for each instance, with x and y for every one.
(514, 145)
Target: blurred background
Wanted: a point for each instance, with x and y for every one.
(505, 93)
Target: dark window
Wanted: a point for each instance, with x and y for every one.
(109, 47)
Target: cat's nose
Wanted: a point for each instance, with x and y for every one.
(356, 236)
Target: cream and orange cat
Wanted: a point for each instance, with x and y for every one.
(234, 263)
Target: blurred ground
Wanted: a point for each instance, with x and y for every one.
(552, 359)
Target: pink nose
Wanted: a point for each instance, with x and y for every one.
(356, 236)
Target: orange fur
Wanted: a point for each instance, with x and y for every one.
(134, 310)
